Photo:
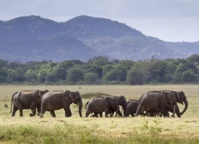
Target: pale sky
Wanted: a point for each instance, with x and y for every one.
(168, 20)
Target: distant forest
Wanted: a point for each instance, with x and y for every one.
(101, 70)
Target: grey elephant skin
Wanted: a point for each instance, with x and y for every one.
(121, 101)
(180, 98)
(98, 105)
(131, 107)
(55, 100)
(26, 99)
(156, 101)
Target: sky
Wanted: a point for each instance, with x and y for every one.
(168, 20)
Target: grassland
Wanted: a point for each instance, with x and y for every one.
(99, 130)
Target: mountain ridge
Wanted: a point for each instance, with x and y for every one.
(82, 38)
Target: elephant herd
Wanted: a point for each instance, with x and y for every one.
(151, 103)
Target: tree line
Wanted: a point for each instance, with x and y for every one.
(101, 70)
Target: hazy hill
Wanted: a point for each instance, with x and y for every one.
(33, 38)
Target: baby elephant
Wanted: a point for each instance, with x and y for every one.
(100, 105)
(131, 107)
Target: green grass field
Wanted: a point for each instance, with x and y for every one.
(99, 130)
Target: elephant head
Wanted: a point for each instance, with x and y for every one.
(113, 104)
(183, 98)
(171, 100)
(122, 101)
(76, 98)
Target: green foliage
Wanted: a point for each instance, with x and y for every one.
(75, 75)
(101, 70)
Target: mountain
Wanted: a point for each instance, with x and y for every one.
(32, 38)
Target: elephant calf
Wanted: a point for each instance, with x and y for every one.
(102, 104)
(131, 107)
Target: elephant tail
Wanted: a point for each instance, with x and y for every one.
(12, 101)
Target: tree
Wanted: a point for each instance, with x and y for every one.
(118, 73)
(31, 75)
(194, 59)
(188, 76)
(91, 78)
(178, 72)
(3, 75)
(75, 75)
(138, 74)
(14, 76)
(134, 77)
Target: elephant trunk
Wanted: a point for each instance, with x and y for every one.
(177, 111)
(124, 109)
(185, 108)
(80, 107)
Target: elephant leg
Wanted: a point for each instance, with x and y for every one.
(68, 113)
(119, 113)
(33, 109)
(101, 114)
(20, 108)
(38, 111)
(67, 110)
(33, 112)
(52, 113)
(21, 112)
(14, 110)
(106, 112)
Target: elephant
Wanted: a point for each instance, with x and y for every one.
(98, 105)
(156, 101)
(26, 99)
(121, 101)
(131, 107)
(55, 100)
(180, 98)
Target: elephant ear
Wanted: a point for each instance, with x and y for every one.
(168, 97)
(67, 94)
(71, 96)
(178, 97)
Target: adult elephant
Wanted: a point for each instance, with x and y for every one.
(180, 98)
(26, 99)
(156, 101)
(98, 105)
(55, 100)
(131, 107)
